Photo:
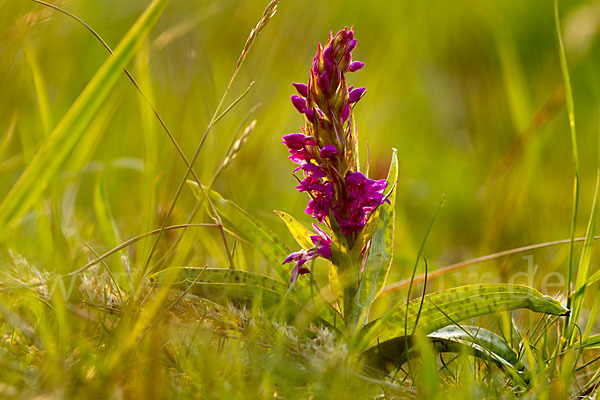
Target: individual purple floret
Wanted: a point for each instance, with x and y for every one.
(326, 150)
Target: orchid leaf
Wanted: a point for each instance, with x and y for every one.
(381, 252)
(298, 231)
(447, 307)
(366, 234)
(482, 338)
(250, 229)
(222, 285)
(390, 355)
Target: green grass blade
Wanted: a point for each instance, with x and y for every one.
(150, 142)
(250, 229)
(571, 112)
(381, 252)
(298, 231)
(104, 217)
(56, 149)
(40, 90)
(108, 227)
(581, 281)
(8, 135)
(428, 382)
(440, 309)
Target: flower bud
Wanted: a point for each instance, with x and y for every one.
(355, 66)
(302, 89)
(299, 103)
(356, 94)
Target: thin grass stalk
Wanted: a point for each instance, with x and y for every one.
(164, 126)
(454, 267)
(267, 15)
(571, 113)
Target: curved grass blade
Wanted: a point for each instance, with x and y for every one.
(298, 231)
(250, 229)
(440, 309)
(381, 252)
(63, 139)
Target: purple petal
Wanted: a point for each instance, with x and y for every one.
(299, 103)
(301, 88)
(345, 113)
(328, 151)
(295, 141)
(314, 170)
(328, 54)
(321, 233)
(298, 157)
(310, 114)
(324, 252)
(350, 46)
(324, 82)
(355, 66)
(298, 270)
(356, 94)
(355, 178)
(328, 66)
(296, 256)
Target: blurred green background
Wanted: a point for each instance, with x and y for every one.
(469, 92)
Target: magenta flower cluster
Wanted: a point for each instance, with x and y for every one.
(326, 150)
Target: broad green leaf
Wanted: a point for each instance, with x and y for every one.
(381, 252)
(250, 229)
(448, 307)
(365, 234)
(298, 231)
(483, 338)
(55, 151)
(221, 285)
(269, 244)
(388, 356)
